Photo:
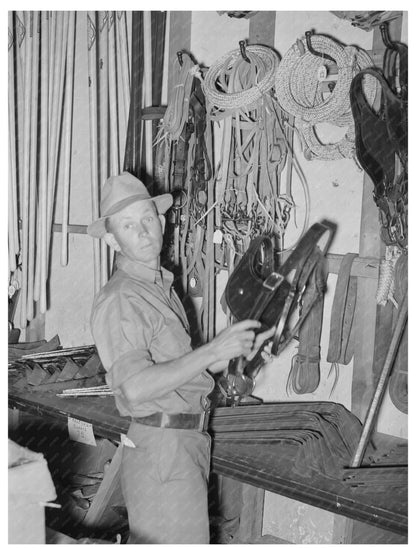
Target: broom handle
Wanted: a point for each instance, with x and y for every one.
(69, 94)
(103, 122)
(114, 134)
(25, 176)
(33, 165)
(57, 93)
(20, 55)
(375, 405)
(123, 53)
(147, 35)
(13, 220)
(92, 90)
(40, 280)
(52, 20)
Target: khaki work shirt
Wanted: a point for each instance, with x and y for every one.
(137, 321)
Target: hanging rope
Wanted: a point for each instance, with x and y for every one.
(299, 85)
(386, 282)
(257, 78)
(177, 110)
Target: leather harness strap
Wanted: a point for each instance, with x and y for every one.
(304, 375)
(341, 336)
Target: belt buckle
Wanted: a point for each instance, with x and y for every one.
(273, 281)
(203, 421)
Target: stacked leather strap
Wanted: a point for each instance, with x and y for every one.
(320, 436)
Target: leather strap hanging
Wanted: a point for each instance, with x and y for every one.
(379, 138)
(304, 375)
(341, 336)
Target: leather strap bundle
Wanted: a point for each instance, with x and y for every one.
(319, 437)
(255, 291)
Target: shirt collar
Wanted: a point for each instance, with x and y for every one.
(161, 277)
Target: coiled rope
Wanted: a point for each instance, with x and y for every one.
(254, 79)
(298, 90)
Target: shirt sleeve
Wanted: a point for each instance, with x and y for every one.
(122, 333)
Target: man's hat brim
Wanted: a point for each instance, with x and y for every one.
(162, 202)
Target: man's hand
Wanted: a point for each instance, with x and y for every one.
(260, 339)
(236, 340)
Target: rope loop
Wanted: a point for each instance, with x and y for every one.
(248, 84)
(300, 90)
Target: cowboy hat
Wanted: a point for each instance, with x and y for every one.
(120, 191)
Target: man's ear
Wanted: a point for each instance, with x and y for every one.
(162, 221)
(111, 241)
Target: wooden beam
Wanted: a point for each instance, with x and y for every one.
(73, 228)
(262, 28)
(363, 267)
(179, 39)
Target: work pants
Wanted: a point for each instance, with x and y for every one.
(164, 482)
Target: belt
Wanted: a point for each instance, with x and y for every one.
(181, 421)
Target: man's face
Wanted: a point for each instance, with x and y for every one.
(138, 232)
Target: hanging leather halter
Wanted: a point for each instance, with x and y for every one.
(380, 137)
(256, 290)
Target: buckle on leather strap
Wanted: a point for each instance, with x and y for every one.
(273, 281)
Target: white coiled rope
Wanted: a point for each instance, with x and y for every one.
(297, 89)
(259, 74)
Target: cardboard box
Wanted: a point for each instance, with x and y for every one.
(30, 486)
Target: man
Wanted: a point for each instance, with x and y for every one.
(141, 332)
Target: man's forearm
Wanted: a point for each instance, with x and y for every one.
(159, 379)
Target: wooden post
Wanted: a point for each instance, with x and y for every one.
(179, 39)
(105, 491)
(251, 518)
(368, 352)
